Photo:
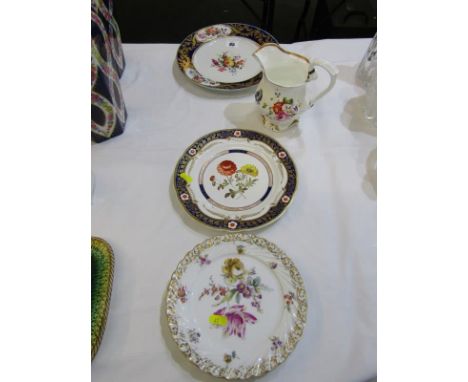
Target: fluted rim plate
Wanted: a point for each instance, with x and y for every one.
(236, 306)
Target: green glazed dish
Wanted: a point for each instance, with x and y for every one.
(102, 271)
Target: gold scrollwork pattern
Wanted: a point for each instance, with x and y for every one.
(263, 364)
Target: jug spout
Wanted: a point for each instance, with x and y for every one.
(281, 67)
(267, 54)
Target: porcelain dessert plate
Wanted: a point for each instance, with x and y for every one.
(236, 306)
(235, 180)
(220, 56)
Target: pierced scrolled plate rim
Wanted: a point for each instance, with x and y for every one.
(235, 180)
(227, 337)
(229, 38)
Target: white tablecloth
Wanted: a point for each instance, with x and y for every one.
(329, 230)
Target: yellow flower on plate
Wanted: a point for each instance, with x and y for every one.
(249, 169)
(233, 269)
(228, 61)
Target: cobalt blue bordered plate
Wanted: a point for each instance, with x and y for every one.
(235, 180)
(221, 45)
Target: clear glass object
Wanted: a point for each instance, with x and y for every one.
(366, 76)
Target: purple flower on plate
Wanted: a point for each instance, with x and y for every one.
(247, 292)
(276, 343)
(203, 260)
(255, 304)
(237, 320)
(244, 289)
(241, 287)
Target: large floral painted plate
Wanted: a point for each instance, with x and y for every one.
(235, 180)
(220, 56)
(236, 306)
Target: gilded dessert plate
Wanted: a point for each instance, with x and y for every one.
(236, 306)
(220, 56)
(235, 180)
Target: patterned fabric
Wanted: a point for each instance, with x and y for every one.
(108, 113)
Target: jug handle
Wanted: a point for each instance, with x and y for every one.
(312, 75)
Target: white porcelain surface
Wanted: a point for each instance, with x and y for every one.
(268, 181)
(227, 59)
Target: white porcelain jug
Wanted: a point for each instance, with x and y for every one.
(281, 94)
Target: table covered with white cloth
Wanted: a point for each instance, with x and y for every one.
(329, 230)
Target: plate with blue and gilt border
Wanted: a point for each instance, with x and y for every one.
(220, 56)
(235, 180)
